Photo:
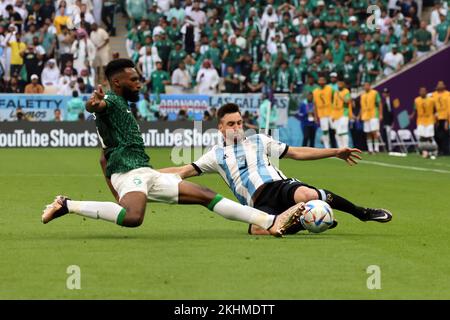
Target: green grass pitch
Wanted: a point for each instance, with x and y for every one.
(186, 252)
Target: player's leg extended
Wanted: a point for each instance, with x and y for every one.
(129, 213)
(190, 193)
(304, 194)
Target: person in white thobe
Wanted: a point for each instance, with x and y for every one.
(207, 78)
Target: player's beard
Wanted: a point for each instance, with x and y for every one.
(130, 95)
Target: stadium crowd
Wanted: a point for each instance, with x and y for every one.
(307, 47)
(232, 46)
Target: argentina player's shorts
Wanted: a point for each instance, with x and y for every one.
(159, 187)
(278, 196)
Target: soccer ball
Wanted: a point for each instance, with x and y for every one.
(318, 216)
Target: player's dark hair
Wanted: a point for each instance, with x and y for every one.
(116, 66)
(227, 108)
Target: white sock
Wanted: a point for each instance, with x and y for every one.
(108, 211)
(344, 140)
(326, 140)
(376, 145)
(338, 140)
(235, 211)
(370, 144)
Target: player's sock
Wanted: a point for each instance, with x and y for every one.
(370, 145)
(326, 139)
(339, 203)
(234, 211)
(338, 140)
(344, 138)
(108, 211)
(376, 144)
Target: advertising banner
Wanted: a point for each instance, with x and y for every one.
(251, 102)
(37, 107)
(21, 134)
(194, 104)
(42, 107)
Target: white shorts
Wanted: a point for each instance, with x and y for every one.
(425, 131)
(325, 123)
(372, 125)
(341, 125)
(159, 187)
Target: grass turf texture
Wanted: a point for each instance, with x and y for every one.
(186, 252)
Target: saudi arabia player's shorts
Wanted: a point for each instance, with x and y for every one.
(425, 131)
(372, 125)
(341, 125)
(159, 187)
(325, 123)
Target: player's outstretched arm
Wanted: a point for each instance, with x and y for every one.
(184, 172)
(96, 102)
(108, 181)
(349, 155)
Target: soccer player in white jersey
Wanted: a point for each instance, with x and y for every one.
(244, 164)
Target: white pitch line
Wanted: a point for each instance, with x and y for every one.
(389, 165)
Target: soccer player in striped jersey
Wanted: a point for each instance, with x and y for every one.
(130, 177)
(245, 166)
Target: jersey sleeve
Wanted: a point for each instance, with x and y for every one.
(206, 163)
(111, 101)
(274, 148)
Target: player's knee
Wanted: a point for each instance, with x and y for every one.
(133, 219)
(305, 194)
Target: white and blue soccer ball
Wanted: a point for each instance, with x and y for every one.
(318, 216)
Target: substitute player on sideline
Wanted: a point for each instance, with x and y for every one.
(245, 166)
(341, 112)
(424, 108)
(131, 176)
(371, 114)
(323, 99)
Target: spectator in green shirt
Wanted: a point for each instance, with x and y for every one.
(442, 31)
(176, 56)
(370, 69)
(348, 71)
(283, 79)
(173, 30)
(176, 12)
(232, 81)
(232, 56)
(407, 49)
(255, 82)
(422, 40)
(159, 79)
(137, 10)
(164, 47)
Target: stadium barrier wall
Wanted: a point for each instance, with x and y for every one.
(42, 107)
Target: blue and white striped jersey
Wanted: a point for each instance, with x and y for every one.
(244, 166)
